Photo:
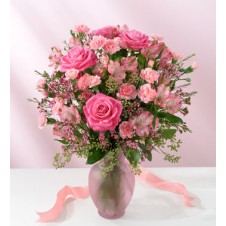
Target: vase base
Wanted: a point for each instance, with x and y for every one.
(115, 216)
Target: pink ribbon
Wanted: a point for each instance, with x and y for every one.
(83, 192)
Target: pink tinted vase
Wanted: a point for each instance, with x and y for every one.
(111, 194)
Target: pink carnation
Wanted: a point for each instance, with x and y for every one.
(78, 58)
(109, 32)
(146, 93)
(115, 69)
(111, 46)
(127, 91)
(97, 42)
(129, 64)
(42, 120)
(71, 74)
(141, 123)
(126, 130)
(41, 84)
(149, 75)
(134, 40)
(102, 112)
(81, 28)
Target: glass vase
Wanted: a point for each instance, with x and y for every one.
(112, 193)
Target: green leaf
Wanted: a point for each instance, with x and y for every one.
(89, 71)
(168, 133)
(133, 155)
(174, 61)
(145, 151)
(188, 70)
(142, 61)
(57, 75)
(94, 134)
(95, 155)
(171, 118)
(62, 141)
(119, 55)
(51, 94)
(51, 121)
(76, 133)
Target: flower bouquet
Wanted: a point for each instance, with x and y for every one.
(112, 97)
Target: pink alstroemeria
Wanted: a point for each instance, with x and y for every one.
(115, 69)
(42, 120)
(174, 103)
(162, 95)
(141, 123)
(55, 56)
(70, 114)
(104, 59)
(129, 64)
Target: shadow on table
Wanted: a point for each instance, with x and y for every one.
(157, 207)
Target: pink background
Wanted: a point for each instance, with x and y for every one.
(188, 26)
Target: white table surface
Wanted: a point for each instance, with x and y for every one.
(35, 190)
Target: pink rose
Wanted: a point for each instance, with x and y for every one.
(134, 40)
(97, 42)
(41, 83)
(102, 112)
(127, 91)
(71, 74)
(70, 114)
(146, 93)
(115, 69)
(107, 32)
(129, 64)
(81, 28)
(78, 58)
(141, 123)
(42, 120)
(126, 130)
(149, 75)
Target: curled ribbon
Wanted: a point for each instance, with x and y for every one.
(83, 192)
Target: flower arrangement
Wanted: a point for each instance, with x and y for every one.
(115, 89)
